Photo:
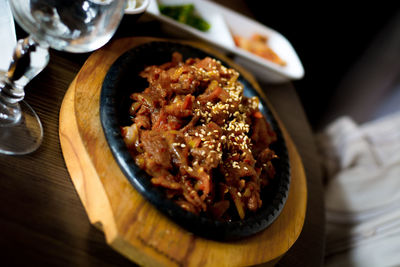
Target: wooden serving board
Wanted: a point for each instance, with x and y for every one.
(131, 225)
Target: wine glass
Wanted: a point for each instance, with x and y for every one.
(67, 25)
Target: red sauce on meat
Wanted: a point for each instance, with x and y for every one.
(200, 139)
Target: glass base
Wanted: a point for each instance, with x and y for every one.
(23, 137)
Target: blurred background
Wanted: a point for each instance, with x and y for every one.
(351, 57)
(350, 53)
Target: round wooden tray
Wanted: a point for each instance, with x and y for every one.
(131, 225)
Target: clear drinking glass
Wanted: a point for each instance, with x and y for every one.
(67, 25)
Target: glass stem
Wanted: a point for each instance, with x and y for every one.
(29, 59)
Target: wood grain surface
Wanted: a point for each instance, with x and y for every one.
(133, 226)
(43, 221)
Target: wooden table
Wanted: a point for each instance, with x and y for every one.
(42, 220)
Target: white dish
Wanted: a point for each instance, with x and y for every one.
(137, 6)
(224, 24)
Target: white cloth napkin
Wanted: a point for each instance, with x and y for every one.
(362, 193)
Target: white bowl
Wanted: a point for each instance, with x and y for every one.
(137, 6)
(224, 24)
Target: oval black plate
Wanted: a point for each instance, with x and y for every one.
(120, 82)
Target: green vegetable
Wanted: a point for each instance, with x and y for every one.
(185, 14)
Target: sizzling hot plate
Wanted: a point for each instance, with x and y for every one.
(120, 82)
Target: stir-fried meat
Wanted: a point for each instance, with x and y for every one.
(199, 138)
